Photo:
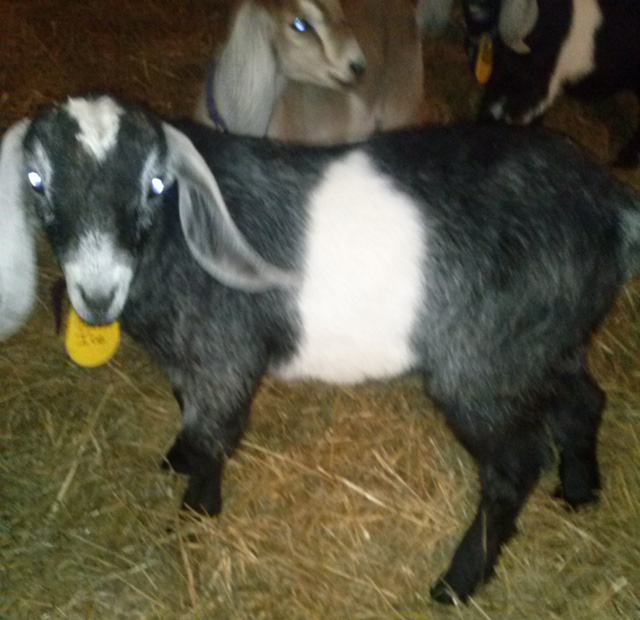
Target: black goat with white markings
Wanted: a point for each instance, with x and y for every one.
(481, 258)
(542, 48)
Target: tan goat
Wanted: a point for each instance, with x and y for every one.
(316, 71)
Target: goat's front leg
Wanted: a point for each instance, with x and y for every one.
(204, 489)
(213, 423)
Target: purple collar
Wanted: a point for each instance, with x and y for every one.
(217, 119)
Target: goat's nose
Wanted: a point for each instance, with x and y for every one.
(98, 301)
(357, 68)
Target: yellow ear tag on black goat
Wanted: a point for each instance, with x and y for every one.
(484, 62)
(91, 345)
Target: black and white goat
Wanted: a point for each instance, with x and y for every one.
(542, 48)
(480, 257)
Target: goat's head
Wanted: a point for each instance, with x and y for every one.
(505, 22)
(97, 172)
(314, 43)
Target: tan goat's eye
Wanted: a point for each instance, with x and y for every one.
(300, 24)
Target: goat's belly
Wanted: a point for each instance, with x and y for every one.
(340, 359)
(363, 282)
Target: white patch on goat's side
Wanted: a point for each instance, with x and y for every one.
(17, 251)
(99, 122)
(577, 54)
(363, 278)
(96, 269)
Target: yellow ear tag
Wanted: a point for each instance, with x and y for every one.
(484, 63)
(91, 345)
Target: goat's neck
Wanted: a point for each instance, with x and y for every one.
(247, 82)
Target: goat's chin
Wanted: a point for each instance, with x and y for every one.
(332, 81)
(96, 318)
(95, 315)
(337, 83)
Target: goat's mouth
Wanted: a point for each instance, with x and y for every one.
(95, 315)
(339, 82)
(97, 306)
(98, 320)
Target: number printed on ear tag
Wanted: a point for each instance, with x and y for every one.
(484, 63)
(91, 345)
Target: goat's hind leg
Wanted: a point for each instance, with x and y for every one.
(574, 421)
(510, 456)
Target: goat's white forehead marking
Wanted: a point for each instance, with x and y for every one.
(99, 122)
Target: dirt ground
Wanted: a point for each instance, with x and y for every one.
(343, 503)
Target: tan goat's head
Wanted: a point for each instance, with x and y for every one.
(314, 43)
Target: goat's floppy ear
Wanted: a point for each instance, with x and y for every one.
(17, 234)
(212, 237)
(517, 20)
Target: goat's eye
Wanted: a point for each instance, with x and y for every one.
(300, 24)
(36, 181)
(157, 186)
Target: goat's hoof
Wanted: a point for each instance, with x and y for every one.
(205, 509)
(203, 498)
(176, 459)
(574, 501)
(443, 593)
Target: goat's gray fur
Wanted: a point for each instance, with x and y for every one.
(480, 257)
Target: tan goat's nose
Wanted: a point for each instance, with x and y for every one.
(357, 68)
